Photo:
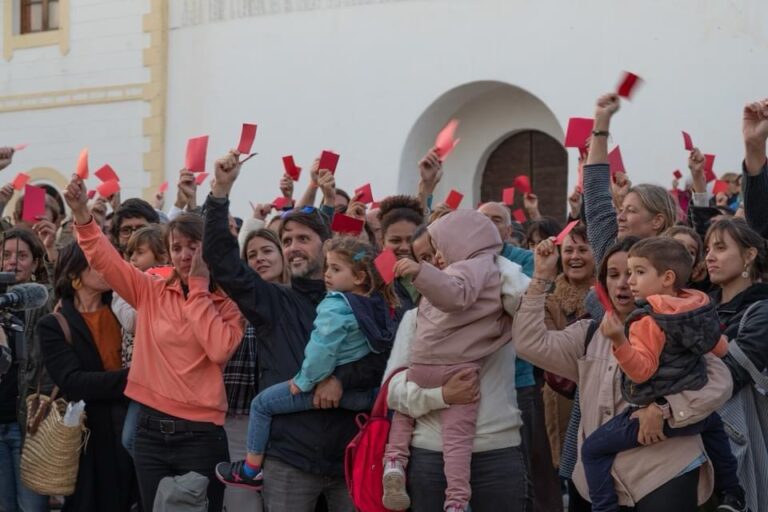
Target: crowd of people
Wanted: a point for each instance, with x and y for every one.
(618, 363)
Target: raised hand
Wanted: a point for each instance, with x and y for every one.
(575, 201)
(260, 211)
(198, 267)
(696, 162)
(76, 196)
(286, 186)
(46, 232)
(227, 171)
(755, 131)
(531, 205)
(607, 105)
(6, 157)
(545, 260)
(407, 268)
(327, 183)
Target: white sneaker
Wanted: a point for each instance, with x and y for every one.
(395, 496)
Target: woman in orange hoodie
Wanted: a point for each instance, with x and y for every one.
(185, 334)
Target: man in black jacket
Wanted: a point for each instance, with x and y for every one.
(305, 452)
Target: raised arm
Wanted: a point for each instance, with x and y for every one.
(450, 290)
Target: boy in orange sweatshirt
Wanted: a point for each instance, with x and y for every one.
(660, 349)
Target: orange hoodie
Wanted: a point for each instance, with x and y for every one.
(181, 344)
(640, 357)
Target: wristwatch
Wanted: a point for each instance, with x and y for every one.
(600, 133)
(663, 405)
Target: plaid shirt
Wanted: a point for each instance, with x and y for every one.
(240, 375)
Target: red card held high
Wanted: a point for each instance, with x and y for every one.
(720, 187)
(364, 194)
(687, 142)
(82, 164)
(34, 203)
(246, 138)
(628, 84)
(523, 184)
(197, 148)
(346, 224)
(19, 147)
(615, 162)
(20, 180)
(709, 164)
(446, 140)
(602, 296)
(279, 203)
(564, 233)
(328, 160)
(106, 173)
(385, 264)
(91, 194)
(677, 174)
(519, 216)
(579, 130)
(200, 178)
(108, 188)
(290, 167)
(508, 196)
(163, 187)
(453, 199)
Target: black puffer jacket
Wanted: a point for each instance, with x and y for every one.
(753, 338)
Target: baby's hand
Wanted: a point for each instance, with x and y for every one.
(407, 268)
(293, 387)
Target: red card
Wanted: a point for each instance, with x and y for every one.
(164, 272)
(108, 188)
(677, 174)
(508, 196)
(453, 199)
(364, 194)
(446, 140)
(579, 130)
(345, 224)
(615, 162)
(246, 138)
(200, 178)
(290, 168)
(385, 264)
(564, 233)
(91, 193)
(602, 296)
(720, 187)
(687, 141)
(328, 160)
(34, 203)
(519, 215)
(20, 180)
(709, 163)
(82, 164)
(163, 187)
(19, 147)
(523, 184)
(279, 203)
(628, 84)
(375, 205)
(197, 147)
(107, 173)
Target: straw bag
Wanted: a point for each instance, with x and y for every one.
(50, 456)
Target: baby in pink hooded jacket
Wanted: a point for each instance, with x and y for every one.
(460, 321)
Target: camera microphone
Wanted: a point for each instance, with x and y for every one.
(24, 296)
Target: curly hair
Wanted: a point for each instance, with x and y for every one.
(360, 256)
(398, 208)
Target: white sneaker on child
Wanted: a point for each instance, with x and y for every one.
(395, 496)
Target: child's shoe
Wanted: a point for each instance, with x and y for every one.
(234, 474)
(733, 501)
(395, 496)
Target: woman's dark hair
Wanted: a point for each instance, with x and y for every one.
(623, 245)
(133, 208)
(344, 194)
(545, 227)
(746, 238)
(70, 265)
(35, 247)
(56, 195)
(400, 208)
(420, 231)
(271, 237)
(579, 232)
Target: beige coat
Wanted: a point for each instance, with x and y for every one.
(642, 470)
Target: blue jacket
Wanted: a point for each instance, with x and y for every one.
(336, 339)
(523, 257)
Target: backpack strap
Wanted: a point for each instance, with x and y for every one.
(591, 330)
(380, 407)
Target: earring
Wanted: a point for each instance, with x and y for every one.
(76, 283)
(745, 274)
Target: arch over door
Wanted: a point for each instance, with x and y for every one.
(536, 155)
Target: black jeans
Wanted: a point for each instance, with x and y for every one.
(499, 481)
(157, 455)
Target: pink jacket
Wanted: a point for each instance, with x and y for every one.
(460, 316)
(181, 344)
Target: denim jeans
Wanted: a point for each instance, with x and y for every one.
(157, 455)
(14, 496)
(498, 480)
(277, 399)
(129, 426)
(289, 489)
(620, 434)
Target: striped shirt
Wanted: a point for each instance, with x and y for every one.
(240, 375)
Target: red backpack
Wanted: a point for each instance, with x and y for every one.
(364, 456)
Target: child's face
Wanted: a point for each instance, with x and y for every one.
(422, 249)
(143, 258)
(339, 275)
(645, 280)
(439, 258)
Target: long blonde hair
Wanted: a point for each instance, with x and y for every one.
(657, 201)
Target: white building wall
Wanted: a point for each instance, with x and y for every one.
(357, 76)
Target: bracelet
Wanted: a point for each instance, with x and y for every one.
(600, 133)
(546, 282)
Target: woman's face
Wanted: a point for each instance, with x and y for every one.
(182, 250)
(17, 258)
(635, 219)
(398, 238)
(617, 284)
(93, 281)
(534, 240)
(578, 260)
(691, 246)
(725, 259)
(264, 257)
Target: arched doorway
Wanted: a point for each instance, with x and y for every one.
(536, 155)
